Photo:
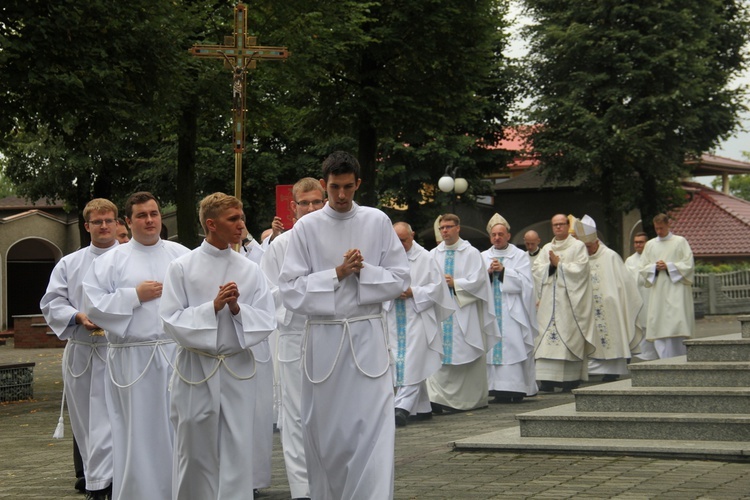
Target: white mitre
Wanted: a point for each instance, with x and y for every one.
(586, 229)
(494, 221)
(438, 236)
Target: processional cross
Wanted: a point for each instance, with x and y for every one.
(239, 53)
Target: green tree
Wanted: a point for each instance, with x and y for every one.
(81, 81)
(739, 185)
(409, 86)
(626, 91)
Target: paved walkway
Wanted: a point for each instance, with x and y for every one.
(36, 466)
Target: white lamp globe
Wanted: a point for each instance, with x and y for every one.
(445, 184)
(461, 185)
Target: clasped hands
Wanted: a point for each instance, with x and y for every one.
(352, 264)
(495, 267)
(228, 295)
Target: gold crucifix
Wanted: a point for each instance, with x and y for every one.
(239, 53)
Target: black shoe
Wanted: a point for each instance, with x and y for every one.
(256, 492)
(401, 417)
(420, 416)
(502, 400)
(610, 378)
(80, 484)
(437, 408)
(546, 386)
(569, 386)
(105, 494)
(516, 399)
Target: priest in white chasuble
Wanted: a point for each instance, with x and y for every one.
(511, 371)
(461, 383)
(668, 268)
(565, 312)
(216, 305)
(414, 328)
(616, 306)
(342, 263)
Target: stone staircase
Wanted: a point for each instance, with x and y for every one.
(694, 406)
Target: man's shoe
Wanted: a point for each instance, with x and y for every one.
(80, 484)
(421, 416)
(610, 378)
(501, 400)
(546, 386)
(401, 417)
(569, 386)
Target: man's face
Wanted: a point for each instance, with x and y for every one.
(531, 240)
(307, 203)
(592, 247)
(405, 236)
(499, 236)
(450, 231)
(639, 242)
(661, 229)
(226, 228)
(341, 189)
(121, 233)
(101, 227)
(560, 227)
(145, 223)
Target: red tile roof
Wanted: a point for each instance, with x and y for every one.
(715, 224)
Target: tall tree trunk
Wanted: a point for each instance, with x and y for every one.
(648, 205)
(187, 134)
(368, 148)
(367, 135)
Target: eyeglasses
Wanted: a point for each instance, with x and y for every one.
(99, 222)
(445, 228)
(305, 204)
(560, 224)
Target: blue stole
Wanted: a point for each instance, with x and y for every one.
(497, 293)
(401, 333)
(450, 257)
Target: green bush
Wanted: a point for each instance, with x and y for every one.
(724, 267)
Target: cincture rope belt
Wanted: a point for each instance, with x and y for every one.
(346, 333)
(58, 434)
(156, 344)
(93, 349)
(220, 360)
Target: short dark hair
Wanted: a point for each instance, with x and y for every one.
(641, 233)
(137, 199)
(450, 218)
(340, 162)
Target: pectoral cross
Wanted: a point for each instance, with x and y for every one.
(239, 53)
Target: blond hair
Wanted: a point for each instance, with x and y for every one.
(99, 205)
(213, 205)
(305, 185)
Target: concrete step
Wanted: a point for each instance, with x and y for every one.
(565, 422)
(731, 347)
(621, 396)
(510, 440)
(676, 372)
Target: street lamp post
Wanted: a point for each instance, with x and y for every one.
(449, 182)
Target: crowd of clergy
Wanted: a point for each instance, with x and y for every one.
(180, 363)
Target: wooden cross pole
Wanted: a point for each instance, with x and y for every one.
(239, 53)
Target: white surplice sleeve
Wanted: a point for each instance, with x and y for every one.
(55, 304)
